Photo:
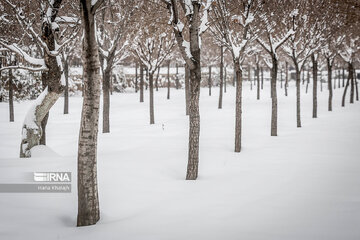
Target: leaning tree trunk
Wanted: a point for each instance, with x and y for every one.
(187, 88)
(88, 200)
(151, 95)
(33, 129)
(329, 67)
(11, 96)
(258, 81)
(106, 101)
(141, 83)
(238, 105)
(66, 90)
(298, 116)
(168, 81)
(352, 88)
(315, 70)
(274, 97)
(209, 81)
(350, 76)
(221, 77)
(286, 78)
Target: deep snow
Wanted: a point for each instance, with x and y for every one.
(303, 184)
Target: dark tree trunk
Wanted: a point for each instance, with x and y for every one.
(88, 200)
(329, 67)
(274, 97)
(234, 76)
(343, 77)
(157, 80)
(151, 94)
(258, 81)
(238, 106)
(209, 81)
(286, 78)
(147, 78)
(350, 76)
(106, 101)
(187, 89)
(298, 114)
(221, 77)
(177, 84)
(339, 78)
(352, 88)
(168, 81)
(307, 80)
(315, 70)
(249, 76)
(11, 96)
(303, 77)
(136, 77)
(66, 90)
(141, 83)
(281, 78)
(356, 86)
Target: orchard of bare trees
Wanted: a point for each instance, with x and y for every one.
(54, 51)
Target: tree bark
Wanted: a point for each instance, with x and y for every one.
(106, 101)
(352, 88)
(307, 80)
(281, 78)
(187, 89)
(66, 90)
(141, 83)
(238, 105)
(151, 94)
(329, 67)
(157, 79)
(350, 76)
(315, 70)
(274, 96)
(356, 86)
(168, 81)
(221, 77)
(343, 77)
(11, 96)
(194, 112)
(209, 81)
(88, 200)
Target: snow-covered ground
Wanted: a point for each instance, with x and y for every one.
(303, 184)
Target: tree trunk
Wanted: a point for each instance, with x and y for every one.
(221, 77)
(286, 78)
(307, 80)
(343, 77)
(258, 81)
(281, 78)
(249, 76)
(329, 67)
(88, 200)
(187, 89)
(157, 79)
(350, 76)
(209, 81)
(141, 83)
(238, 106)
(298, 116)
(177, 77)
(315, 70)
(66, 90)
(136, 77)
(151, 94)
(33, 129)
(356, 86)
(168, 81)
(234, 76)
(106, 101)
(339, 78)
(11, 96)
(274, 97)
(195, 79)
(352, 85)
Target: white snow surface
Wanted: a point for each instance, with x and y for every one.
(303, 184)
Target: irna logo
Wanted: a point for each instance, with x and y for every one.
(52, 176)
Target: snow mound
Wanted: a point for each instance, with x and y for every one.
(43, 151)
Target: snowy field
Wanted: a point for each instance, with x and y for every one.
(303, 184)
